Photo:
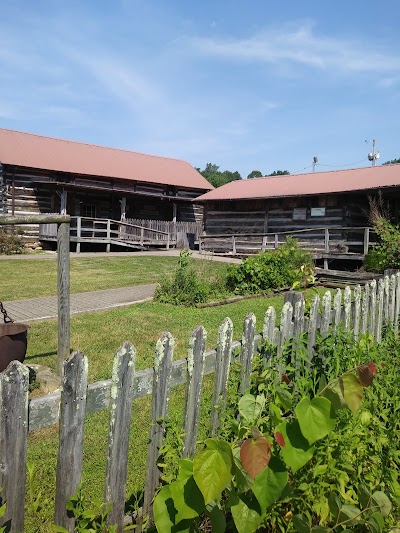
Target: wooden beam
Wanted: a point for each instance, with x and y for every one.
(7, 220)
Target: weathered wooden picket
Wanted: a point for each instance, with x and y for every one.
(361, 311)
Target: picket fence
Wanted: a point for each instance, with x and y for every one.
(365, 310)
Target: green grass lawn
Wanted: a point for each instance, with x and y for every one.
(38, 277)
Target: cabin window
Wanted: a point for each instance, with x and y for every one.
(88, 210)
(317, 212)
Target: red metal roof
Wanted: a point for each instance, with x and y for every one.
(47, 153)
(336, 181)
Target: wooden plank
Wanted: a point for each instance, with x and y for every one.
(118, 433)
(347, 309)
(14, 385)
(365, 308)
(397, 304)
(269, 324)
(337, 309)
(222, 367)
(63, 349)
(6, 220)
(386, 299)
(372, 308)
(326, 313)
(195, 369)
(392, 298)
(285, 327)
(247, 352)
(70, 450)
(357, 311)
(380, 297)
(312, 326)
(161, 387)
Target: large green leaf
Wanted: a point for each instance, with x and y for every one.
(218, 521)
(300, 524)
(212, 468)
(269, 484)
(246, 514)
(250, 407)
(316, 418)
(334, 393)
(352, 391)
(296, 452)
(380, 502)
(349, 515)
(255, 454)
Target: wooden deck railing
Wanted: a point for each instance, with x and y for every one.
(361, 311)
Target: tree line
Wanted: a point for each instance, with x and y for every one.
(218, 177)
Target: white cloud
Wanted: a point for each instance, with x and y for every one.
(301, 46)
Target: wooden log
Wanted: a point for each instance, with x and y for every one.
(337, 309)
(380, 297)
(312, 326)
(222, 367)
(326, 313)
(372, 308)
(63, 349)
(161, 387)
(6, 220)
(247, 352)
(118, 433)
(365, 308)
(357, 311)
(347, 309)
(70, 449)
(195, 369)
(14, 391)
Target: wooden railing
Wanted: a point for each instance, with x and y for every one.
(361, 311)
(326, 240)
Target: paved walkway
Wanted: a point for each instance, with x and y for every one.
(83, 302)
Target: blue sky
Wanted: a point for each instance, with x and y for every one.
(260, 85)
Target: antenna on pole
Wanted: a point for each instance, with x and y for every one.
(374, 155)
(314, 162)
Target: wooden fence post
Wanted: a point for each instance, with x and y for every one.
(247, 352)
(386, 298)
(285, 327)
(365, 309)
(337, 309)
(357, 311)
(392, 298)
(161, 386)
(326, 313)
(269, 324)
(14, 390)
(380, 302)
(222, 365)
(195, 370)
(313, 325)
(121, 394)
(347, 308)
(63, 350)
(233, 245)
(397, 306)
(372, 308)
(70, 448)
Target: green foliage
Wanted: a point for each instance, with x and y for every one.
(311, 449)
(11, 241)
(392, 162)
(279, 173)
(217, 177)
(387, 253)
(187, 286)
(272, 269)
(254, 174)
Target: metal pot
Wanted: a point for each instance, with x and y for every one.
(13, 342)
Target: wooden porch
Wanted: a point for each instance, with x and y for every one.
(325, 243)
(135, 234)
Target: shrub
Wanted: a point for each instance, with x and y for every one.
(187, 286)
(273, 269)
(11, 241)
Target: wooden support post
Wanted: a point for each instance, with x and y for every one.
(264, 243)
(233, 245)
(276, 242)
(168, 241)
(326, 240)
(63, 350)
(174, 216)
(141, 236)
(366, 240)
(108, 247)
(78, 234)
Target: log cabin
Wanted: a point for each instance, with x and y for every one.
(327, 211)
(41, 174)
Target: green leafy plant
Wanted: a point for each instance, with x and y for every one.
(3, 507)
(272, 269)
(11, 241)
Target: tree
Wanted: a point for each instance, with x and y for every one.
(218, 178)
(254, 174)
(392, 162)
(279, 173)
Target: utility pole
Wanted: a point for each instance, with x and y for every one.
(314, 162)
(374, 155)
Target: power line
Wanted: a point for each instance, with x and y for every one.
(341, 166)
